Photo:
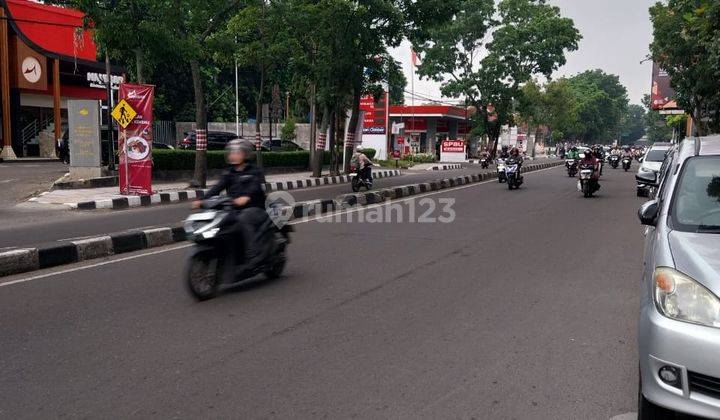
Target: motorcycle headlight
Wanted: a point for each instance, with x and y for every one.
(679, 297)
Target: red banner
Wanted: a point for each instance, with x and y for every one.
(135, 141)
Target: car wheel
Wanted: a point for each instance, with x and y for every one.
(649, 411)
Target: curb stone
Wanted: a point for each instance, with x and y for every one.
(122, 203)
(50, 255)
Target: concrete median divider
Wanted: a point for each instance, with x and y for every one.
(22, 260)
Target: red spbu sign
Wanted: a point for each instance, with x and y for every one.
(135, 141)
(453, 146)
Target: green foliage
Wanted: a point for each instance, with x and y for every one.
(176, 160)
(288, 130)
(686, 44)
(656, 126)
(633, 126)
(421, 158)
(487, 51)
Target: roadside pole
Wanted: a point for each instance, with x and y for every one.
(237, 102)
(108, 115)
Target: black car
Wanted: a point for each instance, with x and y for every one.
(156, 145)
(281, 146)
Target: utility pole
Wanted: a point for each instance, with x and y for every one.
(287, 105)
(108, 114)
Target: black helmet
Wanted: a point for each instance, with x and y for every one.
(504, 148)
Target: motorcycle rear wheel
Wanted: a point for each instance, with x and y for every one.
(276, 269)
(201, 277)
(355, 184)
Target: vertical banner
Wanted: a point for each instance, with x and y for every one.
(135, 139)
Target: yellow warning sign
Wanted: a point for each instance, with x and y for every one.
(123, 113)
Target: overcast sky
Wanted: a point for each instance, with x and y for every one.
(616, 35)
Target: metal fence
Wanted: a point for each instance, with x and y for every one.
(164, 132)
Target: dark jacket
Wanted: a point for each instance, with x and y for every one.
(247, 182)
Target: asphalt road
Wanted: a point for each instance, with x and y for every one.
(524, 307)
(25, 227)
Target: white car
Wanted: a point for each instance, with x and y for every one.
(651, 163)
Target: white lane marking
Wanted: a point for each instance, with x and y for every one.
(295, 222)
(8, 180)
(84, 267)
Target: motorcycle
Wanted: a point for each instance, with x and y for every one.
(626, 162)
(484, 162)
(586, 184)
(614, 161)
(216, 258)
(501, 170)
(358, 181)
(572, 167)
(512, 173)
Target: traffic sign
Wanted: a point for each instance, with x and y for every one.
(123, 113)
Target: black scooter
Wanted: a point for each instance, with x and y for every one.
(217, 256)
(626, 162)
(614, 161)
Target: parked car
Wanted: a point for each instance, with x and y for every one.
(651, 163)
(281, 145)
(156, 145)
(679, 326)
(217, 140)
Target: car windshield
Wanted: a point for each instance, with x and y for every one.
(696, 202)
(656, 155)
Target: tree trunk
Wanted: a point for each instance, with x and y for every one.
(320, 142)
(200, 177)
(331, 139)
(258, 119)
(352, 128)
(140, 66)
(697, 119)
(313, 125)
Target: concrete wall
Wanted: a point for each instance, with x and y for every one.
(302, 131)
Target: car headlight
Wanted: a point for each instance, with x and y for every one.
(679, 297)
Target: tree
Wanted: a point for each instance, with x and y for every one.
(633, 125)
(686, 44)
(601, 105)
(486, 52)
(656, 127)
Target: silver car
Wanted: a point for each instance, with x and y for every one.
(679, 326)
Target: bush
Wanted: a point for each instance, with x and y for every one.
(179, 160)
(370, 153)
(184, 160)
(288, 130)
(421, 158)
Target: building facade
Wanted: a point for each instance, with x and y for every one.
(46, 59)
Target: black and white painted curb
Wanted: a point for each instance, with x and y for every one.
(45, 256)
(184, 195)
(444, 167)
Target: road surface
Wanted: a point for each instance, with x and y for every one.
(524, 307)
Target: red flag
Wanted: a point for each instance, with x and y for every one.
(414, 56)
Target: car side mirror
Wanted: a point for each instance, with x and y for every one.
(648, 213)
(648, 178)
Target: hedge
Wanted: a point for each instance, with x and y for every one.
(176, 160)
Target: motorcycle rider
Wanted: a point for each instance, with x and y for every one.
(504, 154)
(243, 183)
(626, 153)
(589, 159)
(364, 165)
(573, 153)
(515, 154)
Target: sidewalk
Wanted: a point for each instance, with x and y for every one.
(110, 197)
